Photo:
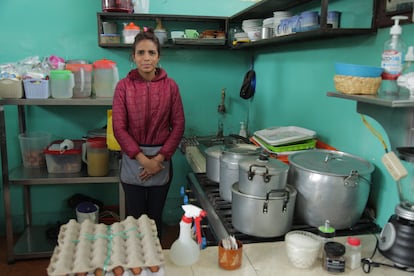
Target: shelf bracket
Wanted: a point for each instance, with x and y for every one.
(398, 123)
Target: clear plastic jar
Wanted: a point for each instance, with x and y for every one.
(353, 252)
(333, 257)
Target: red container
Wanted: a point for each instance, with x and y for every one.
(64, 161)
(117, 6)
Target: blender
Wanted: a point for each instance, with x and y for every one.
(397, 237)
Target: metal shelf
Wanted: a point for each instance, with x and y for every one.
(394, 113)
(33, 243)
(25, 176)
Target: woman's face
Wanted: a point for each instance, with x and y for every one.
(146, 58)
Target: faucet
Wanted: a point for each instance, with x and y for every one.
(221, 108)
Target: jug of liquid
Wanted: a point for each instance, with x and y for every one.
(61, 83)
(83, 79)
(96, 155)
(105, 78)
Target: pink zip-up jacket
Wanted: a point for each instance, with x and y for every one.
(148, 113)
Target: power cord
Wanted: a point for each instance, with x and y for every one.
(368, 264)
(375, 132)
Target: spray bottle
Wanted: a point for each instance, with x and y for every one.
(392, 58)
(185, 251)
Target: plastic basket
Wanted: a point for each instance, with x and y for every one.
(36, 88)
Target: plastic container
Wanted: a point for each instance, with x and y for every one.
(302, 248)
(230, 259)
(333, 19)
(32, 145)
(105, 78)
(333, 257)
(96, 155)
(61, 84)
(353, 253)
(357, 70)
(36, 89)
(63, 161)
(129, 33)
(11, 89)
(326, 233)
(117, 6)
(83, 79)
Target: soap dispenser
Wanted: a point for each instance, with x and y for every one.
(392, 58)
(185, 250)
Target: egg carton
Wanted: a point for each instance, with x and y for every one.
(123, 248)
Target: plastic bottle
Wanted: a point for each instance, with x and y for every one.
(406, 80)
(392, 58)
(353, 252)
(185, 250)
(243, 131)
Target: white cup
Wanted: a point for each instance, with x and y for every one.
(87, 210)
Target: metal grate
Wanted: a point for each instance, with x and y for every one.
(223, 212)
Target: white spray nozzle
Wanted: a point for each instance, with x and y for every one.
(396, 28)
(192, 211)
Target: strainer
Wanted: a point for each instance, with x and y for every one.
(302, 248)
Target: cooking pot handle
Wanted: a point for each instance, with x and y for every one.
(285, 200)
(251, 173)
(352, 179)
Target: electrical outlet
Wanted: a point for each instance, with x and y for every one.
(394, 166)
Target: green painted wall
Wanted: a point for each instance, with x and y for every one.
(292, 82)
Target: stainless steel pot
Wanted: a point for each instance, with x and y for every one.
(259, 175)
(229, 166)
(213, 162)
(331, 185)
(269, 216)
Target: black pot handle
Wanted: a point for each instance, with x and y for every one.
(266, 175)
(285, 200)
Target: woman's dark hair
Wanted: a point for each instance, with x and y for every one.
(146, 34)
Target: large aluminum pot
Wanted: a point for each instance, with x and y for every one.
(269, 216)
(331, 185)
(213, 162)
(229, 166)
(259, 175)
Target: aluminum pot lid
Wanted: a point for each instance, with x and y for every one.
(214, 151)
(330, 162)
(261, 163)
(242, 149)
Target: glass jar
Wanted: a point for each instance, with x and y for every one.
(333, 257)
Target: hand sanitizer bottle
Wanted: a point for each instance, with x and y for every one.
(392, 58)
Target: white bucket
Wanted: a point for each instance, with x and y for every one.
(87, 210)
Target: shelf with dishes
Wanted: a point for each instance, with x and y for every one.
(165, 26)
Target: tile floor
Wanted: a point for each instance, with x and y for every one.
(38, 267)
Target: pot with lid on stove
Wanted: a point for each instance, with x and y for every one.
(229, 166)
(331, 185)
(268, 216)
(259, 175)
(213, 162)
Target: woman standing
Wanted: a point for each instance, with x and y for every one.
(148, 123)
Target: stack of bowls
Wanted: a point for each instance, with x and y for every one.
(278, 16)
(253, 28)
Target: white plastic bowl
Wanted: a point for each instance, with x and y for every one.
(302, 248)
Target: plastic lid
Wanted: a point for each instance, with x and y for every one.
(97, 142)
(74, 67)
(334, 249)
(60, 74)
(354, 241)
(132, 26)
(326, 230)
(86, 207)
(104, 64)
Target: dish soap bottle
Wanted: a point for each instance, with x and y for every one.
(392, 58)
(185, 250)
